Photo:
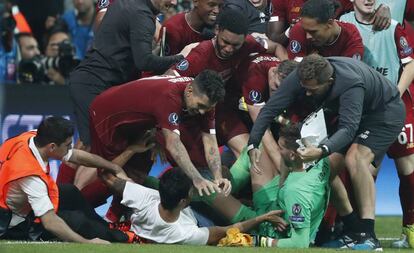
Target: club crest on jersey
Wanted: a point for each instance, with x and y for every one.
(296, 211)
(406, 49)
(255, 96)
(103, 4)
(295, 46)
(173, 118)
(357, 56)
(183, 65)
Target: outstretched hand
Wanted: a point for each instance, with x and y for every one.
(206, 186)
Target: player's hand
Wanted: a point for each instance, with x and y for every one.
(145, 143)
(254, 155)
(382, 18)
(206, 186)
(274, 217)
(123, 175)
(98, 241)
(309, 154)
(224, 184)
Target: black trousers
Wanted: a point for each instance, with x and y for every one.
(78, 215)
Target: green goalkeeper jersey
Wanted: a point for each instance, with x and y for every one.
(304, 197)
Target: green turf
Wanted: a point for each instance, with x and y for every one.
(386, 227)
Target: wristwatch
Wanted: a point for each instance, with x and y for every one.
(325, 150)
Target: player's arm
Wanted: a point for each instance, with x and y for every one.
(406, 55)
(382, 18)
(270, 46)
(216, 233)
(269, 143)
(91, 160)
(54, 224)
(180, 155)
(213, 159)
(141, 37)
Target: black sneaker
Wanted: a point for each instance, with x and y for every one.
(345, 241)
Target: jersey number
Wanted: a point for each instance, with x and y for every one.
(406, 135)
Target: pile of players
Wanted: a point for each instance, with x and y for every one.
(226, 83)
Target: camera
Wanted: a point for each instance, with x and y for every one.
(34, 70)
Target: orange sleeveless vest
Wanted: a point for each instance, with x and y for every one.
(17, 161)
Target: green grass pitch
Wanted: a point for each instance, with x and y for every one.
(386, 227)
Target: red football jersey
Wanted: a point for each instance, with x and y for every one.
(255, 88)
(349, 43)
(204, 57)
(128, 109)
(179, 34)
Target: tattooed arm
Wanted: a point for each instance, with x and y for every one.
(213, 159)
(180, 155)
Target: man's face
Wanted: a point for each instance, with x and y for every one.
(197, 103)
(164, 5)
(258, 3)
(29, 47)
(228, 43)
(274, 79)
(365, 7)
(208, 10)
(52, 48)
(59, 151)
(288, 155)
(315, 90)
(83, 6)
(318, 33)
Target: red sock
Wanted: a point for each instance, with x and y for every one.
(66, 174)
(407, 198)
(330, 217)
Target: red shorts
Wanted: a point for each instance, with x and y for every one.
(228, 123)
(404, 145)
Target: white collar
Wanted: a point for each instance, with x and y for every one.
(36, 153)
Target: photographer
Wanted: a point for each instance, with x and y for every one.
(54, 67)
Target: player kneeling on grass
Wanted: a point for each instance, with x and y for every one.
(164, 216)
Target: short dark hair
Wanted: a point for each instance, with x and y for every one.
(210, 83)
(233, 21)
(286, 67)
(174, 186)
(290, 133)
(53, 129)
(315, 67)
(321, 10)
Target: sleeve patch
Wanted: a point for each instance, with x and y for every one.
(405, 47)
(296, 211)
(183, 65)
(102, 4)
(295, 46)
(173, 118)
(255, 96)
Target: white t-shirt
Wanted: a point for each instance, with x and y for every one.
(30, 193)
(147, 222)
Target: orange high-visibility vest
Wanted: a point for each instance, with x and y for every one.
(21, 23)
(17, 161)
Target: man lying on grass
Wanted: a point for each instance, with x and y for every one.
(164, 216)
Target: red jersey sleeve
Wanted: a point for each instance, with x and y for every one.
(297, 48)
(255, 45)
(209, 122)
(168, 114)
(193, 64)
(279, 10)
(354, 47)
(255, 89)
(404, 45)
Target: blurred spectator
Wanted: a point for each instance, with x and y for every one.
(28, 46)
(56, 36)
(37, 12)
(80, 21)
(8, 45)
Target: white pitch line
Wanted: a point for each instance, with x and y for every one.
(388, 239)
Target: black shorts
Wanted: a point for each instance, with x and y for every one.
(379, 130)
